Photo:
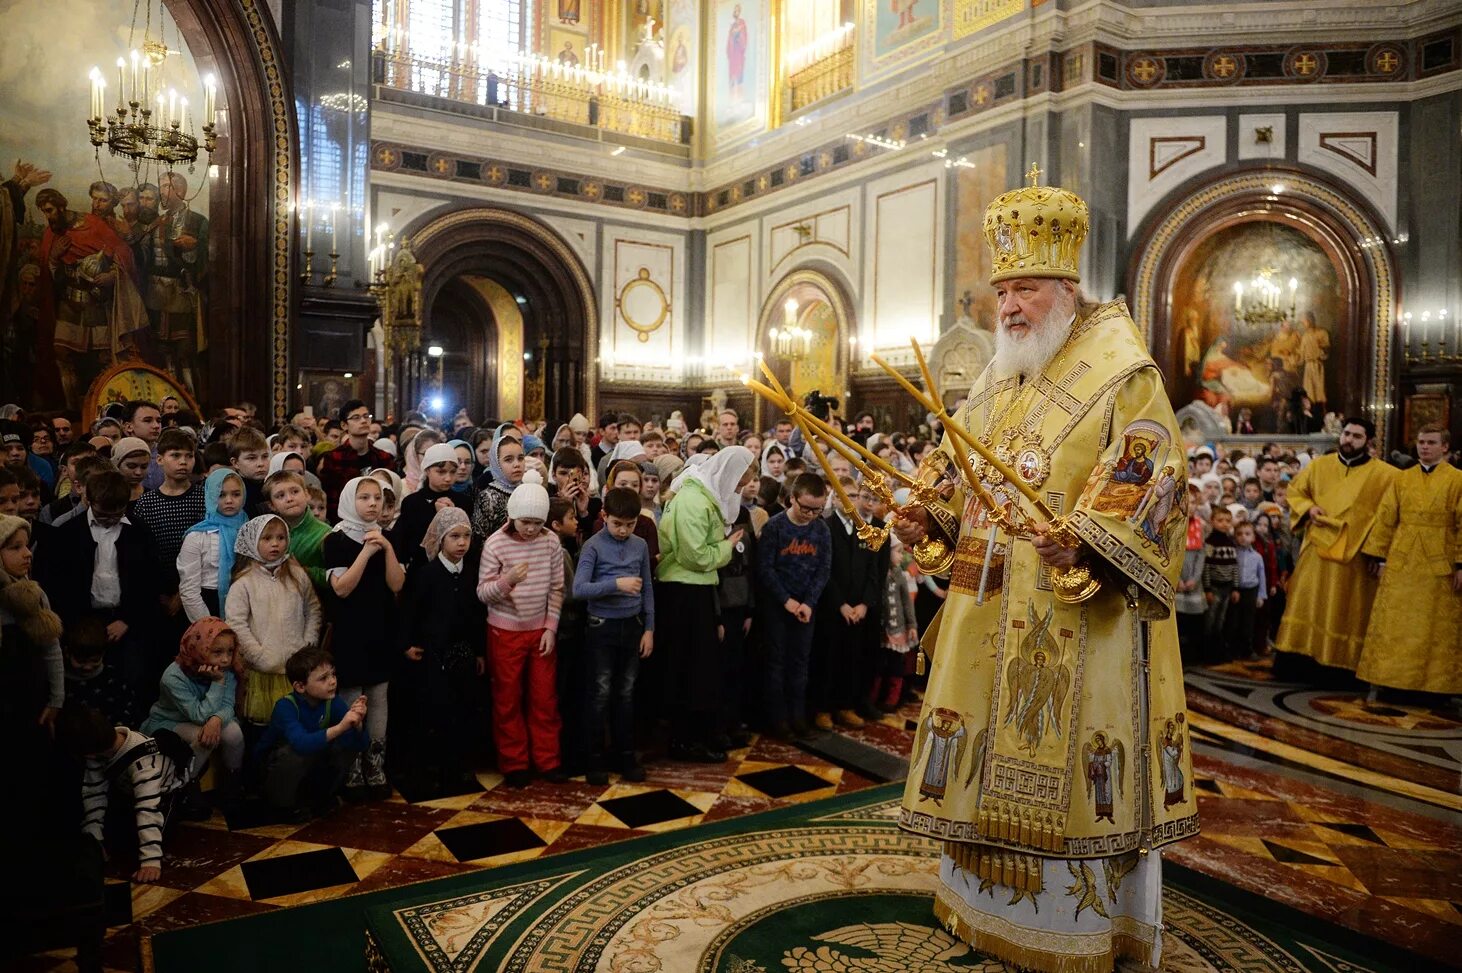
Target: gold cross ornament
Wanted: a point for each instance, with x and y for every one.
(1034, 175)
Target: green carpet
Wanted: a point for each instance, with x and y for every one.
(828, 885)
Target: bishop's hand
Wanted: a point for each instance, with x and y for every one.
(1052, 554)
(911, 525)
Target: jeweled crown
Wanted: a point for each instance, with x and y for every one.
(1036, 231)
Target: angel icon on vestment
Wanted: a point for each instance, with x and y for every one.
(1039, 681)
(942, 738)
(1103, 762)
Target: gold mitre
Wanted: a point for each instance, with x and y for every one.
(1036, 231)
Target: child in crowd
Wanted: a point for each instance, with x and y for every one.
(572, 673)
(365, 577)
(625, 475)
(462, 483)
(848, 630)
(313, 739)
(215, 457)
(571, 479)
(171, 509)
(206, 557)
(132, 457)
(650, 493)
(129, 766)
(271, 608)
(899, 627)
(89, 681)
(794, 559)
(1251, 587)
(490, 512)
(289, 497)
(440, 475)
(521, 577)
(1220, 576)
(736, 599)
(615, 576)
(318, 503)
(199, 691)
(248, 454)
(1189, 602)
(32, 676)
(102, 564)
(441, 626)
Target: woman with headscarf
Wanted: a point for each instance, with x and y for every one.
(32, 679)
(443, 648)
(696, 540)
(491, 510)
(415, 450)
(773, 457)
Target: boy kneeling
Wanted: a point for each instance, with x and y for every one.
(312, 738)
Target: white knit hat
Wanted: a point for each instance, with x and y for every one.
(529, 500)
(439, 453)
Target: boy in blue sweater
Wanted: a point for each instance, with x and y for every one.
(616, 578)
(794, 560)
(312, 738)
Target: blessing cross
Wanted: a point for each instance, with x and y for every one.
(1034, 175)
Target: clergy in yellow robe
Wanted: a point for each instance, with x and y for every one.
(1415, 636)
(1334, 500)
(1049, 759)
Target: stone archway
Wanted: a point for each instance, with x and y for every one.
(1308, 207)
(823, 307)
(551, 286)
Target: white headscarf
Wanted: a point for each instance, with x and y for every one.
(276, 462)
(350, 523)
(720, 474)
(626, 449)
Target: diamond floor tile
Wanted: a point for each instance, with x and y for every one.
(784, 781)
(653, 807)
(268, 878)
(488, 839)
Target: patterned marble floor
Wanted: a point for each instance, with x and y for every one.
(1347, 812)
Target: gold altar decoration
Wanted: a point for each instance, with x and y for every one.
(1036, 231)
(130, 380)
(583, 93)
(396, 286)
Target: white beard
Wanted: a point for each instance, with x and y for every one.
(1029, 355)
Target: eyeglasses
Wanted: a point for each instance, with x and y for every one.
(806, 509)
(359, 415)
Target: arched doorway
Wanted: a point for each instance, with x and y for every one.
(514, 311)
(1283, 223)
(814, 300)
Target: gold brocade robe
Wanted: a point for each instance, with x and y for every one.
(1414, 640)
(1041, 733)
(1330, 592)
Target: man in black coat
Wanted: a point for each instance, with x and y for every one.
(848, 620)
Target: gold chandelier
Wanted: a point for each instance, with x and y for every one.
(149, 121)
(791, 342)
(1260, 302)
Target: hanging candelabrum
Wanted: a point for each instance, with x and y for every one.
(791, 342)
(149, 122)
(1260, 303)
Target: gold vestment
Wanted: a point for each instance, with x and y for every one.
(1330, 593)
(1042, 735)
(1414, 640)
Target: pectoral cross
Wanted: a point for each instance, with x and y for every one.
(1034, 175)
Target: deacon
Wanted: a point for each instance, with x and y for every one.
(1334, 501)
(1415, 636)
(1053, 757)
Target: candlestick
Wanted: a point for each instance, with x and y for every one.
(309, 211)
(135, 83)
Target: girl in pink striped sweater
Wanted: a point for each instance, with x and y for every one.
(521, 580)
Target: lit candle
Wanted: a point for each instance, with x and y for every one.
(334, 208)
(309, 211)
(210, 99)
(1238, 295)
(146, 80)
(135, 82)
(121, 83)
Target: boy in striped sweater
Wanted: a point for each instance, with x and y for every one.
(521, 579)
(131, 764)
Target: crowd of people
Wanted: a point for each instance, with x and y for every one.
(339, 606)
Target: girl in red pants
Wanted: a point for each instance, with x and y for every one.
(521, 580)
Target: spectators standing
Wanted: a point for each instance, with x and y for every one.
(794, 558)
(438, 490)
(848, 630)
(248, 454)
(491, 510)
(168, 512)
(1250, 587)
(1189, 602)
(1220, 577)
(143, 420)
(206, 556)
(696, 540)
(289, 498)
(354, 456)
(365, 577)
(521, 578)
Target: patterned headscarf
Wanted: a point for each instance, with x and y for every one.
(247, 543)
(198, 640)
(441, 525)
(227, 527)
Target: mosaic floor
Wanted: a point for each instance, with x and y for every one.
(1348, 812)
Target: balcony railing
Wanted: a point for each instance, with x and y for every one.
(820, 69)
(540, 88)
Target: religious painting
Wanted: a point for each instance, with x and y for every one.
(568, 11)
(325, 392)
(902, 24)
(975, 187)
(941, 746)
(738, 88)
(1170, 757)
(819, 370)
(1253, 369)
(567, 48)
(642, 12)
(129, 381)
(1120, 485)
(1426, 409)
(1102, 767)
(682, 52)
(99, 264)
